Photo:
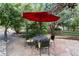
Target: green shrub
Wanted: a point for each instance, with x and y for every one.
(35, 30)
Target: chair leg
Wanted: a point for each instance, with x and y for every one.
(48, 51)
(40, 51)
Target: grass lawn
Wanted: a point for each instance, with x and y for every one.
(71, 33)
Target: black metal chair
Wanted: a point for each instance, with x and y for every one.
(42, 44)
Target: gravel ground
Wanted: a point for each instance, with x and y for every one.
(2, 48)
(2, 43)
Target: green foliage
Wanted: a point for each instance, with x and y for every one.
(34, 29)
(10, 16)
(75, 23)
(5, 11)
(69, 17)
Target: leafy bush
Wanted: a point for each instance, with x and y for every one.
(34, 30)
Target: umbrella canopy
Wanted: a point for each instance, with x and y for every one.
(40, 16)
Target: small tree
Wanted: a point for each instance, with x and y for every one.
(75, 23)
(10, 17)
(5, 13)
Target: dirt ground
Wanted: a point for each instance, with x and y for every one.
(61, 46)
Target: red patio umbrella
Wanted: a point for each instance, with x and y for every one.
(40, 16)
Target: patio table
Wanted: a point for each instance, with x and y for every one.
(41, 41)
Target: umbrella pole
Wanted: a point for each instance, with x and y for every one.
(48, 51)
(39, 44)
(53, 34)
(40, 24)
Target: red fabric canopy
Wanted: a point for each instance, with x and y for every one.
(40, 16)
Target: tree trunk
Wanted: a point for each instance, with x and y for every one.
(26, 35)
(5, 34)
(17, 31)
(73, 29)
(68, 28)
